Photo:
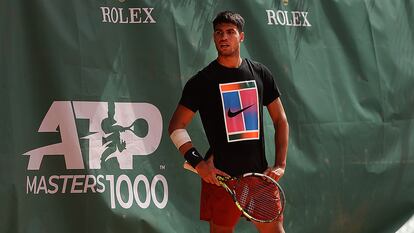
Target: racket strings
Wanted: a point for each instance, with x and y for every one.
(258, 197)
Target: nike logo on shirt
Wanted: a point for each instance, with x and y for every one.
(233, 114)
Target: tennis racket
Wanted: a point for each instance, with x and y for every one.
(259, 197)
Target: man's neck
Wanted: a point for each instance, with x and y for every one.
(230, 61)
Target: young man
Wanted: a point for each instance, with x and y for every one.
(230, 94)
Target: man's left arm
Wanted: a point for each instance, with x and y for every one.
(280, 123)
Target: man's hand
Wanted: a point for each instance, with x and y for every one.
(275, 172)
(208, 172)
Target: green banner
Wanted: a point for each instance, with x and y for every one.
(88, 89)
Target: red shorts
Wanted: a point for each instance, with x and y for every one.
(217, 206)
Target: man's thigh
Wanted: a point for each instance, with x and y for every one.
(272, 227)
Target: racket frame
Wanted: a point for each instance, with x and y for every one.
(223, 179)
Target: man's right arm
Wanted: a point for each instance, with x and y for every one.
(179, 121)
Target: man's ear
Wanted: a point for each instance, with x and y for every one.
(241, 36)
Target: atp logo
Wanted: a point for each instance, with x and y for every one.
(114, 133)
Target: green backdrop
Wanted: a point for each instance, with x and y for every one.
(75, 72)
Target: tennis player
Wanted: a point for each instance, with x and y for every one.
(230, 94)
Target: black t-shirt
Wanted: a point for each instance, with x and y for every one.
(230, 102)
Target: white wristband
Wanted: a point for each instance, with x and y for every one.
(180, 137)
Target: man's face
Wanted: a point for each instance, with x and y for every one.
(227, 39)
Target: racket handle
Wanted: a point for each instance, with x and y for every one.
(188, 166)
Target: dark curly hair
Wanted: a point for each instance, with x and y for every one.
(229, 17)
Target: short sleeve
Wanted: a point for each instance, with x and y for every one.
(270, 89)
(190, 97)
